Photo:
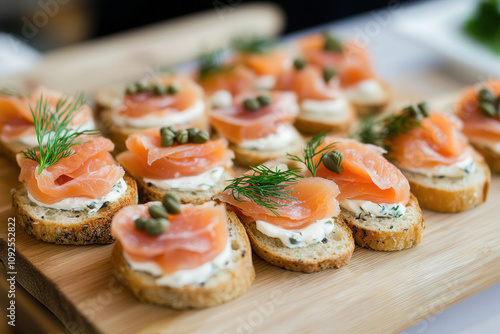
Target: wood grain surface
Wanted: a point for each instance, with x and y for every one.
(376, 292)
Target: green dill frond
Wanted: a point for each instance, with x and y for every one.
(253, 44)
(310, 151)
(211, 62)
(265, 186)
(55, 138)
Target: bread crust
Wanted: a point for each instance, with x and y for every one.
(311, 125)
(246, 157)
(72, 227)
(149, 192)
(219, 288)
(492, 158)
(10, 149)
(369, 109)
(437, 197)
(393, 236)
(273, 251)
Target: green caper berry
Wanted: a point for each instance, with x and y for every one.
(264, 100)
(332, 43)
(333, 161)
(91, 205)
(155, 227)
(142, 86)
(191, 133)
(328, 73)
(131, 89)
(182, 137)
(413, 111)
(497, 102)
(201, 137)
(251, 104)
(293, 241)
(172, 203)
(486, 95)
(140, 223)
(159, 89)
(487, 109)
(424, 108)
(172, 89)
(169, 131)
(167, 141)
(299, 63)
(157, 211)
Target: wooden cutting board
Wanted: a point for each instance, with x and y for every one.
(376, 292)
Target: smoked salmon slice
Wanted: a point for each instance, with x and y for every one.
(234, 78)
(144, 103)
(15, 115)
(237, 124)
(438, 141)
(148, 159)
(272, 63)
(308, 83)
(366, 174)
(352, 63)
(195, 236)
(316, 198)
(90, 172)
(476, 125)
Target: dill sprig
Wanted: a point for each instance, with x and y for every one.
(212, 62)
(381, 132)
(253, 44)
(265, 186)
(55, 138)
(310, 151)
(7, 91)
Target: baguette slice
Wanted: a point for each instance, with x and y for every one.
(247, 157)
(149, 192)
(11, 148)
(451, 194)
(221, 287)
(492, 158)
(364, 109)
(119, 134)
(109, 98)
(69, 227)
(310, 124)
(388, 234)
(334, 253)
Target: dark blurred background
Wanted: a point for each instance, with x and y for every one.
(72, 21)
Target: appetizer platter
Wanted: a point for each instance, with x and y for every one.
(270, 188)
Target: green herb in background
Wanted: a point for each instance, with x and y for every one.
(484, 24)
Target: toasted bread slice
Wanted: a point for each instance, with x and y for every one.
(368, 108)
(451, 194)
(119, 134)
(247, 157)
(11, 148)
(221, 287)
(69, 227)
(310, 124)
(388, 234)
(149, 192)
(492, 158)
(109, 98)
(334, 252)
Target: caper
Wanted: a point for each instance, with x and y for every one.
(486, 95)
(264, 100)
(172, 203)
(201, 137)
(333, 161)
(142, 86)
(182, 137)
(159, 89)
(157, 211)
(167, 141)
(172, 89)
(414, 111)
(131, 89)
(487, 108)
(497, 102)
(299, 63)
(328, 73)
(168, 131)
(156, 227)
(140, 223)
(424, 108)
(192, 132)
(332, 43)
(251, 104)
(293, 240)
(92, 205)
